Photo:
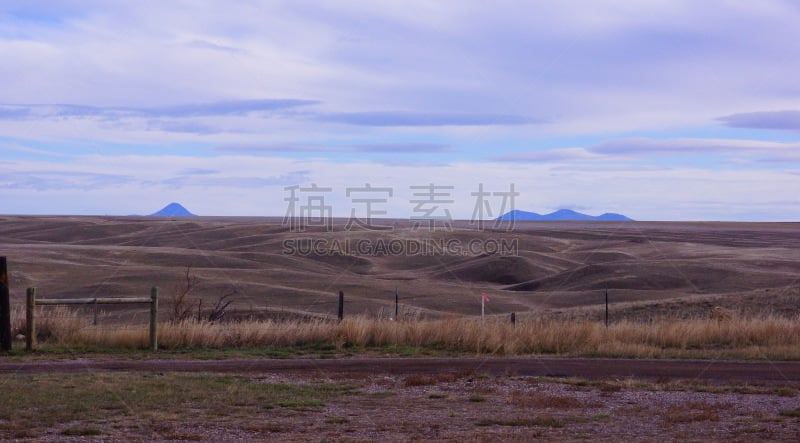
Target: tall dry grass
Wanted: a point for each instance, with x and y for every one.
(770, 337)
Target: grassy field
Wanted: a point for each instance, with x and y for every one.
(763, 337)
(469, 406)
(145, 404)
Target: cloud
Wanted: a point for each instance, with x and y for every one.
(18, 147)
(44, 180)
(412, 162)
(219, 108)
(784, 120)
(671, 146)
(782, 157)
(204, 44)
(367, 148)
(186, 127)
(400, 148)
(558, 62)
(229, 107)
(449, 83)
(13, 112)
(251, 183)
(425, 119)
(199, 171)
(552, 155)
(138, 184)
(630, 149)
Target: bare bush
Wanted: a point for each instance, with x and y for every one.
(217, 312)
(180, 308)
(182, 301)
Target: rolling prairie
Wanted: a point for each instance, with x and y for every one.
(555, 268)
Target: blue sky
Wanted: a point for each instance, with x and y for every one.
(672, 110)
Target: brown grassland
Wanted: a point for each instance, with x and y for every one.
(774, 338)
(652, 269)
(663, 280)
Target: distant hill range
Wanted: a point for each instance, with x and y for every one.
(560, 215)
(173, 210)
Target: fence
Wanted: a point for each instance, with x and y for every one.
(32, 302)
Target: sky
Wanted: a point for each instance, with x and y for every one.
(660, 110)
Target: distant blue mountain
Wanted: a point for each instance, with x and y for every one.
(173, 210)
(560, 215)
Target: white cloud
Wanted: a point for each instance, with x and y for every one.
(552, 155)
(562, 63)
(452, 82)
(239, 185)
(635, 149)
(650, 146)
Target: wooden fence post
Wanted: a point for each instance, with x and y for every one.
(154, 318)
(5, 307)
(341, 305)
(30, 320)
(514, 319)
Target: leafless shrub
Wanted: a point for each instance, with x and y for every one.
(181, 301)
(217, 312)
(180, 308)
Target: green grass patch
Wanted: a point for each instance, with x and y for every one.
(55, 351)
(45, 400)
(301, 403)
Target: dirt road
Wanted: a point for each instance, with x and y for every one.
(754, 372)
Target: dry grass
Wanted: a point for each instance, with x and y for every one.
(427, 380)
(539, 401)
(694, 411)
(759, 337)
